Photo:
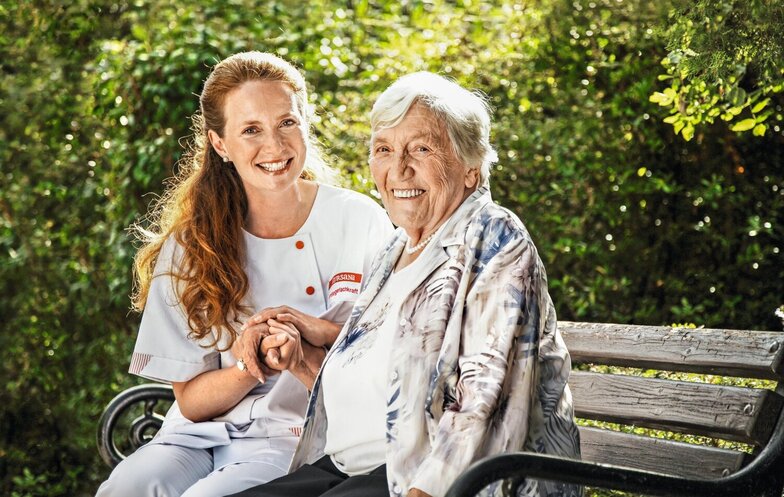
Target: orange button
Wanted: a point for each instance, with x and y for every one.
(310, 290)
(300, 244)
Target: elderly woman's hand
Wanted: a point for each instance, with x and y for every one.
(284, 349)
(316, 331)
(246, 348)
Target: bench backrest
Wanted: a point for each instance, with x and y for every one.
(725, 412)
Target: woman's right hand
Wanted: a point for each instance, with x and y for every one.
(284, 349)
(247, 347)
(316, 331)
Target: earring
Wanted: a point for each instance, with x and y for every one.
(225, 159)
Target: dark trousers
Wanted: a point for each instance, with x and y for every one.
(323, 479)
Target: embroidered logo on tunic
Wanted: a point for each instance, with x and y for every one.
(344, 285)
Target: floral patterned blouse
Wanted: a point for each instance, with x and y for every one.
(477, 366)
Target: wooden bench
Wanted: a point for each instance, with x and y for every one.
(652, 465)
(613, 457)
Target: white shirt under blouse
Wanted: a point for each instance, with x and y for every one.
(354, 380)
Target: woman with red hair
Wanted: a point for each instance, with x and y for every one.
(250, 225)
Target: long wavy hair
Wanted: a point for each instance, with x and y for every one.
(204, 208)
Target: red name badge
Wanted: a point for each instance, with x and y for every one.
(344, 283)
(351, 277)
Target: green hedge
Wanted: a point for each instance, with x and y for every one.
(634, 223)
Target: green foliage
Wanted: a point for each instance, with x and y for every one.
(633, 223)
(726, 61)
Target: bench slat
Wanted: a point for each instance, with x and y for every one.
(732, 413)
(748, 354)
(655, 454)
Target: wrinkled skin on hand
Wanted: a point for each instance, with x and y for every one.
(247, 347)
(317, 332)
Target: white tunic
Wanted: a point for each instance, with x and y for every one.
(318, 271)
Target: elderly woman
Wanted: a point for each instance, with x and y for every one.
(451, 353)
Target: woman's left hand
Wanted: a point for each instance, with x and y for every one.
(318, 332)
(282, 349)
(415, 492)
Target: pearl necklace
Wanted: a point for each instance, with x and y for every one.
(419, 246)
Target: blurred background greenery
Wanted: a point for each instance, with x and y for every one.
(641, 142)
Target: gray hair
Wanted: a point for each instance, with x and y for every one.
(466, 115)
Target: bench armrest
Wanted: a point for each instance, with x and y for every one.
(140, 430)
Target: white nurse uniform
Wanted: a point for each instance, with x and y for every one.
(318, 271)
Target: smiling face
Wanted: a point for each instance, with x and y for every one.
(420, 180)
(264, 135)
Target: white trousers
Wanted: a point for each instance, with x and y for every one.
(158, 470)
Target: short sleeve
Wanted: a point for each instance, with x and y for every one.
(163, 351)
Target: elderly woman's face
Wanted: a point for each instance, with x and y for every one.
(420, 180)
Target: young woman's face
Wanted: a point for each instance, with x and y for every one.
(265, 135)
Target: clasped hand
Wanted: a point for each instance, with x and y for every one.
(272, 340)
